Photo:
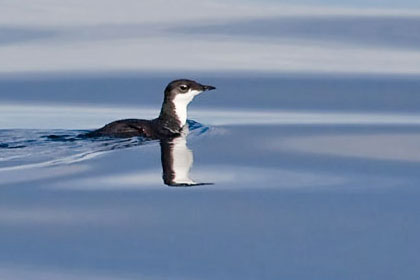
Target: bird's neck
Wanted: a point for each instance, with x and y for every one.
(174, 113)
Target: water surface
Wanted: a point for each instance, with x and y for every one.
(312, 178)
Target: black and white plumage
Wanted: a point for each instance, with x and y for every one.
(177, 160)
(172, 118)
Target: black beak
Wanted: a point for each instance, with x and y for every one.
(208, 87)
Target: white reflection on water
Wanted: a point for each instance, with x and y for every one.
(34, 172)
(141, 180)
(14, 116)
(305, 118)
(19, 272)
(227, 176)
(381, 146)
(58, 216)
(50, 116)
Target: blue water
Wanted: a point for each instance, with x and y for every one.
(312, 177)
(395, 32)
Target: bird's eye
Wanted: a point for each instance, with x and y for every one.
(183, 87)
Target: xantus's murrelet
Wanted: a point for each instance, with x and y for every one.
(173, 115)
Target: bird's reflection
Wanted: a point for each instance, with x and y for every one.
(177, 160)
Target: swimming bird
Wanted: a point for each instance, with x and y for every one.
(172, 118)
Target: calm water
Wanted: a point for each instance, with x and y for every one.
(312, 178)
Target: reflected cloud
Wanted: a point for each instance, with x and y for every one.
(9, 35)
(226, 177)
(312, 39)
(54, 216)
(355, 30)
(380, 146)
(86, 117)
(72, 13)
(19, 272)
(128, 181)
(232, 117)
(35, 172)
(40, 116)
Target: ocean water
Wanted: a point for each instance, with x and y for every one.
(290, 177)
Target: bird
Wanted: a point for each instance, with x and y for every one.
(172, 118)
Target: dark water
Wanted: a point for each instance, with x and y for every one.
(313, 178)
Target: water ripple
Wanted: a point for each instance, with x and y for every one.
(24, 148)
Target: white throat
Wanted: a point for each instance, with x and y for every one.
(181, 102)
